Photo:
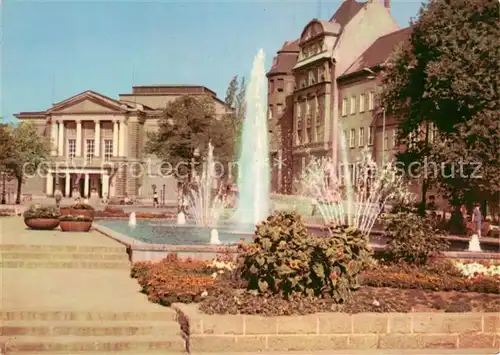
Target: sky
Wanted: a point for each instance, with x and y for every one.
(52, 50)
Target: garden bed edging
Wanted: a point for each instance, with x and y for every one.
(337, 331)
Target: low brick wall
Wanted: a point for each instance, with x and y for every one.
(330, 331)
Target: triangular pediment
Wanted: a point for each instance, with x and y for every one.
(87, 102)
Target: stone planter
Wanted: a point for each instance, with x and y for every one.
(75, 226)
(42, 223)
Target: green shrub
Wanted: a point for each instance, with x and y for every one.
(39, 211)
(82, 206)
(413, 238)
(284, 259)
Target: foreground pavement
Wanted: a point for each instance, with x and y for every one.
(71, 293)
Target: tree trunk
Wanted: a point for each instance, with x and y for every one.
(425, 184)
(19, 188)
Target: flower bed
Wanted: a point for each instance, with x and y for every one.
(287, 277)
(116, 212)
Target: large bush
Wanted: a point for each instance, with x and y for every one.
(284, 259)
(413, 238)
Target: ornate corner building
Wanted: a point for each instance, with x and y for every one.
(97, 143)
(324, 84)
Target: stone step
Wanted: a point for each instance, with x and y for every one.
(62, 248)
(127, 352)
(165, 314)
(47, 264)
(88, 328)
(116, 344)
(8, 255)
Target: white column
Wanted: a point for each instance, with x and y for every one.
(67, 185)
(53, 138)
(86, 186)
(78, 138)
(121, 150)
(60, 136)
(97, 139)
(49, 187)
(105, 184)
(115, 138)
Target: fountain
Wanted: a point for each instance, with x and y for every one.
(132, 221)
(253, 165)
(340, 202)
(181, 218)
(204, 206)
(214, 237)
(474, 244)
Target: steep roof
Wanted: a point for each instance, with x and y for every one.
(346, 12)
(286, 58)
(379, 51)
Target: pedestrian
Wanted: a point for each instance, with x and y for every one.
(156, 204)
(58, 197)
(477, 219)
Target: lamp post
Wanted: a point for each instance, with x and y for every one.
(3, 188)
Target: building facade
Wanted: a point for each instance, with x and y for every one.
(97, 143)
(324, 85)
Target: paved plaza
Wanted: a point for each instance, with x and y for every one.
(71, 293)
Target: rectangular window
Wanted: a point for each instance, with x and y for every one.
(361, 140)
(344, 106)
(394, 137)
(371, 100)
(353, 105)
(370, 135)
(433, 132)
(321, 75)
(362, 103)
(298, 138)
(311, 78)
(108, 149)
(307, 139)
(71, 148)
(270, 112)
(352, 138)
(89, 149)
(281, 85)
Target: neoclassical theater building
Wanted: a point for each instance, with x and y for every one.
(98, 142)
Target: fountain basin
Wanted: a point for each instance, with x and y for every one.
(155, 240)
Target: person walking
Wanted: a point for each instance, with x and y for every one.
(477, 219)
(156, 204)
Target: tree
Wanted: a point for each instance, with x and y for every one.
(6, 155)
(187, 125)
(447, 76)
(231, 92)
(31, 150)
(240, 100)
